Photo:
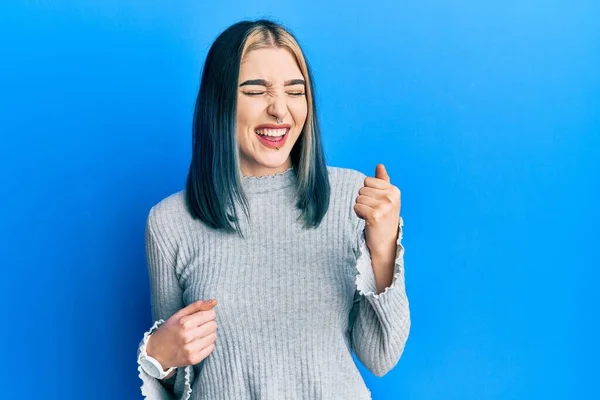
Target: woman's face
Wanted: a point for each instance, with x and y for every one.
(271, 87)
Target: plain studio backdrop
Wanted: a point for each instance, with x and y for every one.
(486, 114)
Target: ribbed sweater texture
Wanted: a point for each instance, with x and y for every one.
(293, 303)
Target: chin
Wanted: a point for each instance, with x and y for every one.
(273, 162)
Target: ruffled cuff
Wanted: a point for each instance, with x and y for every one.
(151, 388)
(365, 278)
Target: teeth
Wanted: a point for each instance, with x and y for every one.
(271, 132)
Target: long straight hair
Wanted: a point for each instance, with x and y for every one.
(214, 184)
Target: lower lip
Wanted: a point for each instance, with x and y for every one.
(273, 144)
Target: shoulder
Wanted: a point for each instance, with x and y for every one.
(169, 213)
(345, 184)
(345, 179)
(170, 223)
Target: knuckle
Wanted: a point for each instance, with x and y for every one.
(212, 326)
(376, 215)
(186, 324)
(187, 352)
(187, 337)
(194, 358)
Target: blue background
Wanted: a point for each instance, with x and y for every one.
(486, 114)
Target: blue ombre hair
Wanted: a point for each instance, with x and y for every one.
(214, 184)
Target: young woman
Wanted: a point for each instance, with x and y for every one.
(303, 259)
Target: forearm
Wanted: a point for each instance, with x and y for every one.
(381, 326)
(383, 266)
(151, 351)
(383, 258)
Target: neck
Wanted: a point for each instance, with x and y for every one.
(259, 170)
(271, 182)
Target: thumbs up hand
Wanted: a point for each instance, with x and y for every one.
(378, 203)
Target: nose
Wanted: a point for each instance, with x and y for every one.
(278, 106)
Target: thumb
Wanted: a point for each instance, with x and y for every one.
(381, 173)
(200, 305)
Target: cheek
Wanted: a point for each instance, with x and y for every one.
(247, 113)
(299, 111)
(241, 112)
(249, 109)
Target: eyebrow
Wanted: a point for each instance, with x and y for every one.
(262, 82)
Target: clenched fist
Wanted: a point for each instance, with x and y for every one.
(187, 337)
(378, 203)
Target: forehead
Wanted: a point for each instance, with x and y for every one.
(273, 64)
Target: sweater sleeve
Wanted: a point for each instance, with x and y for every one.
(380, 323)
(166, 299)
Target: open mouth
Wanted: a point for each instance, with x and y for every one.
(272, 137)
(272, 134)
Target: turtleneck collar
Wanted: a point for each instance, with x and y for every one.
(269, 183)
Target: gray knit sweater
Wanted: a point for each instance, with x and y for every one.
(292, 302)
